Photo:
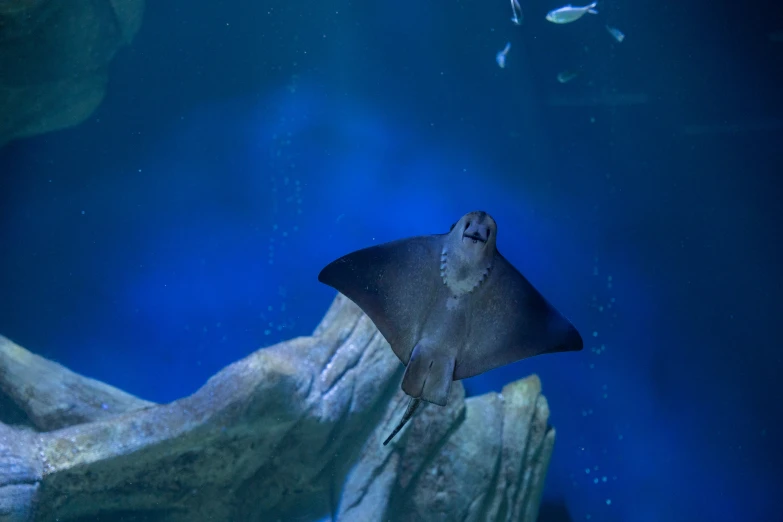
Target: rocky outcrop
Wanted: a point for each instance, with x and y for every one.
(291, 432)
(54, 59)
(51, 396)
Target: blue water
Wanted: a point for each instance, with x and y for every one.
(241, 147)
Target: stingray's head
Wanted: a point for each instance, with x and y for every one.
(473, 236)
(469, 252)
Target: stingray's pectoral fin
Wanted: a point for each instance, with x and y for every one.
(428, 375)
(412, 405)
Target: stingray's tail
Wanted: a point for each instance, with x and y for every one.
(412, 405)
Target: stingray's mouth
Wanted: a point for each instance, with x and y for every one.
(474, 237)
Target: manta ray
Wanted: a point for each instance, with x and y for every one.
(450, 306)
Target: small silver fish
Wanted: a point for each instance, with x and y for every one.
(516, 10)
(567, 76)
(569, 13)
(616, 33)
(501, 56)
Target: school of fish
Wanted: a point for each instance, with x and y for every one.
(562, 15)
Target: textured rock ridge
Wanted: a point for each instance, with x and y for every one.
(291, 432)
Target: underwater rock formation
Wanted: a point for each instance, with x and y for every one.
(291, 432)
(54, 58)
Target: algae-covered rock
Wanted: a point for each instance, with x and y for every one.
(291, 432)
(54, 59)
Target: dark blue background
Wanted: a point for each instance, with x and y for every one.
(242, 147)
